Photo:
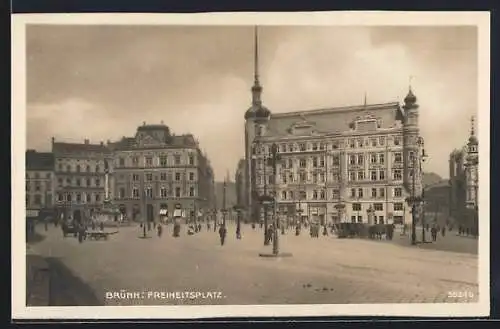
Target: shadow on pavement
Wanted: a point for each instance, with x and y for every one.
(66, 289)
(35, 238)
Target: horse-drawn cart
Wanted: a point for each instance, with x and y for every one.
(98, 235)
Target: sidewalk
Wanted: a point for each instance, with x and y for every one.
(37, 280)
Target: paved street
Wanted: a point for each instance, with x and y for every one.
(324, 270)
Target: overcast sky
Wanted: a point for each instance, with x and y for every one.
(101, 82)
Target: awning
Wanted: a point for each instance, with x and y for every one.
(178, 213)
(163, 212)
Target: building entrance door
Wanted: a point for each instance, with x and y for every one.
(77, 216)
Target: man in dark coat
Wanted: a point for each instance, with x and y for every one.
(222, 234)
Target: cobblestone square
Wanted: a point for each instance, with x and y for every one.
(128, 270)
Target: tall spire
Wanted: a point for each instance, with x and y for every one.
(364, 100)
(256, 88)
(472, 132)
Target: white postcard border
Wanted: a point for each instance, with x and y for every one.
(18, 124)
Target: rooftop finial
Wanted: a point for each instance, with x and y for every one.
(256, 56)
(409, 82)
(256, 88)
(472, 132)
(364, 100)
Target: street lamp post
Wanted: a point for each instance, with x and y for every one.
(422, 159)
(275, 158)
(414, 199)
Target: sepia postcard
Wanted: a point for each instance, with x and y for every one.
(190, 166)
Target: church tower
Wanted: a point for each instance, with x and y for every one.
(411, 152)
(256, 118)
(471, 171)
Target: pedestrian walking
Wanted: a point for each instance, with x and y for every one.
(434, 233)
(238, 233)
(253, 226)
(208, 226)
(325, 231)
(297, 230)
(443, 231)
(222, 234)
(160, 230)
(101, 226)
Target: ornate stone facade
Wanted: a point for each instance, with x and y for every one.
(39, 180)
(156, 170)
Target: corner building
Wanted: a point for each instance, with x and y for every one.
(155, 170)
(81, 171)
(345, 164)
(39, 180)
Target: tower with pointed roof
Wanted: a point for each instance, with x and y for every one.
(411, 133)
(256, 118)
(471, 171)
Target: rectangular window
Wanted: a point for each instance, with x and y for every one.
(191, 191)
(302, 163)
(360, 219)
(352, 159)
(321, 146)
(149, 177)
(373, 175)
(283, 195)
(397, 174)
(177, 176)
(398, 157)
(352, 176)
(290, 194)
(360, 159)
(97, 197)
(163, 176)
(121, 162)
(315, 146)
(290, 163)
(177, 192)
(135, 193)
(315, 195)
(302, 147)
(381, 141)
(163, 192)
(335, 194)
(38, 199)
(284, 179)
(322, 195)
(397, 141)
(37, 186)
(353, 219)
(374, 192)
(321, 177)
(122, 193)
(398, 192)
(352, 143)
(382, 192)
(356, 206)
(149, 161)
(315, 162)
(381, 158)
(135, 161)
(78, 197)
(97, 182)
(353, 193)
(163, 161)
(378, 206)
(360, 193)
(381, 219)
(191, 176)
(398, 206)
(303, 176)
(382, 175)
(373, 158)
(374, 142)
(149, 192)
(315, 177)
(336, 160)
(177, 159)
(360, 142)
(283, 148)
(361, 175)
(321, 161)
(191, 160)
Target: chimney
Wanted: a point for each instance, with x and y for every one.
(53, 140)
(86, 141)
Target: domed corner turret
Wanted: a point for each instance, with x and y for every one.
(250, 113)
(410, 101)
(473, 140)
(262, 112)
